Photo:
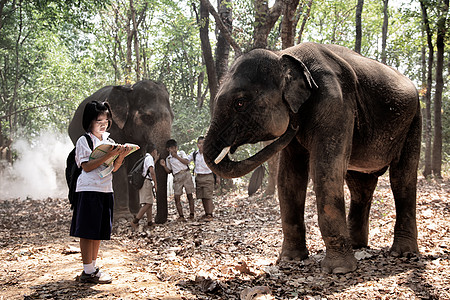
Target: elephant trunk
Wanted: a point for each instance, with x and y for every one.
(218, 161)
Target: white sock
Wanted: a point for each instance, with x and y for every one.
(93, 263)
(88, 268)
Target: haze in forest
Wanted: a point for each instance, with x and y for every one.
(39, 171)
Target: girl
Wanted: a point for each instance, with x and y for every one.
(93, 208)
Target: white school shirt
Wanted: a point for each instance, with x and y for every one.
(200, 166)
(148, 162)
(91, 181)
(174, 164)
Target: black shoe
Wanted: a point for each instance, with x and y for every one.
(96, 277)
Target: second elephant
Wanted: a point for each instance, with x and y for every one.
(141, 114)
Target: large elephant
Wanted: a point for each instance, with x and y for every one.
(336, 116)
(141, 114)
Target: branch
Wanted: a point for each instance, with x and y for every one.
(223, 28)
(27, 109)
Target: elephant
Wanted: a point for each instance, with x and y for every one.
(141, 114)
(336, 117)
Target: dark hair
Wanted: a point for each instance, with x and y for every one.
(200, 138)
(92, 110)
(150, 147)
(171, 143)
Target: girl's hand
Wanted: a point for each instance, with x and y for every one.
(114, 150)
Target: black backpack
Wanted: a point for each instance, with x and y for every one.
(135, 177)
(73, 171)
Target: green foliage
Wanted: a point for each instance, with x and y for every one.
(53, 54)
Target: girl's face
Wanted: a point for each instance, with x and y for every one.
(99, 126)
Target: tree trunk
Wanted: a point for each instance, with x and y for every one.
(129, 49)
(265, 19)
(203, 20)
(136, 41)
(358, 39)
(427, 168)
(384, 31)
(223, 46)
(440, 45)
(287, 24)
(305, 19)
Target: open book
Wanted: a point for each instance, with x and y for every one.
(108, 165)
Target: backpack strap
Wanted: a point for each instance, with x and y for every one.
(194, 155)
(89, 140)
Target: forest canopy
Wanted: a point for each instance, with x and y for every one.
(53, 54)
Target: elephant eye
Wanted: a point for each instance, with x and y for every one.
(239, 104)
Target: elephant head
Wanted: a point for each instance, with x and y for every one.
(257, 101)
(141, 114)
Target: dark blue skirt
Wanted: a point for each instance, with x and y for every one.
(92, 215)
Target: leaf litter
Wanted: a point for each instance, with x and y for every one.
(232, 257)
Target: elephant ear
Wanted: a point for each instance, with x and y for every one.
(298, 82)
(118, 99)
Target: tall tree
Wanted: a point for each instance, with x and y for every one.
(223, 46)
(265, 19)
(440, 45)
(384, 31)
(358, 25)
(305, 11)
(288, 24)
(429, 35)
(203, 21)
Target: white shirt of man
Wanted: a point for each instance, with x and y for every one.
(148, 162)
(200, 166)
(174, 164)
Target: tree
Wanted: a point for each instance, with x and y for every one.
(426, 24)
(358, 26)
(384, 31)
(440, 44)
(36, 64)
(265, 19)
(203, 21)
(305, 19)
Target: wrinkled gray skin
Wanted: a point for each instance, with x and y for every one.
(340, 116)
(141, 114)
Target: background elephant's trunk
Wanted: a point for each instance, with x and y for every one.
(231, 169)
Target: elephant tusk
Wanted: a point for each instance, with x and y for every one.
(222, 155)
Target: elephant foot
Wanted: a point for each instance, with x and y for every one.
(339, 264)
(121, 212)
(293, 255)
(404, 247)
(160, 220)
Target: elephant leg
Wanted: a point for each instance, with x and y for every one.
(329, 190)
(292, 184)
(361, 187)
(133, 200)
(403, 177)
(328, 168)
(120, 187)
(161, 195)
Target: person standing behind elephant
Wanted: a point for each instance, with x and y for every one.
(146, 192)
(204, 180)
(177, 163)
(93, 207)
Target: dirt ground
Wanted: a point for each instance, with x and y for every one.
(232, 257)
